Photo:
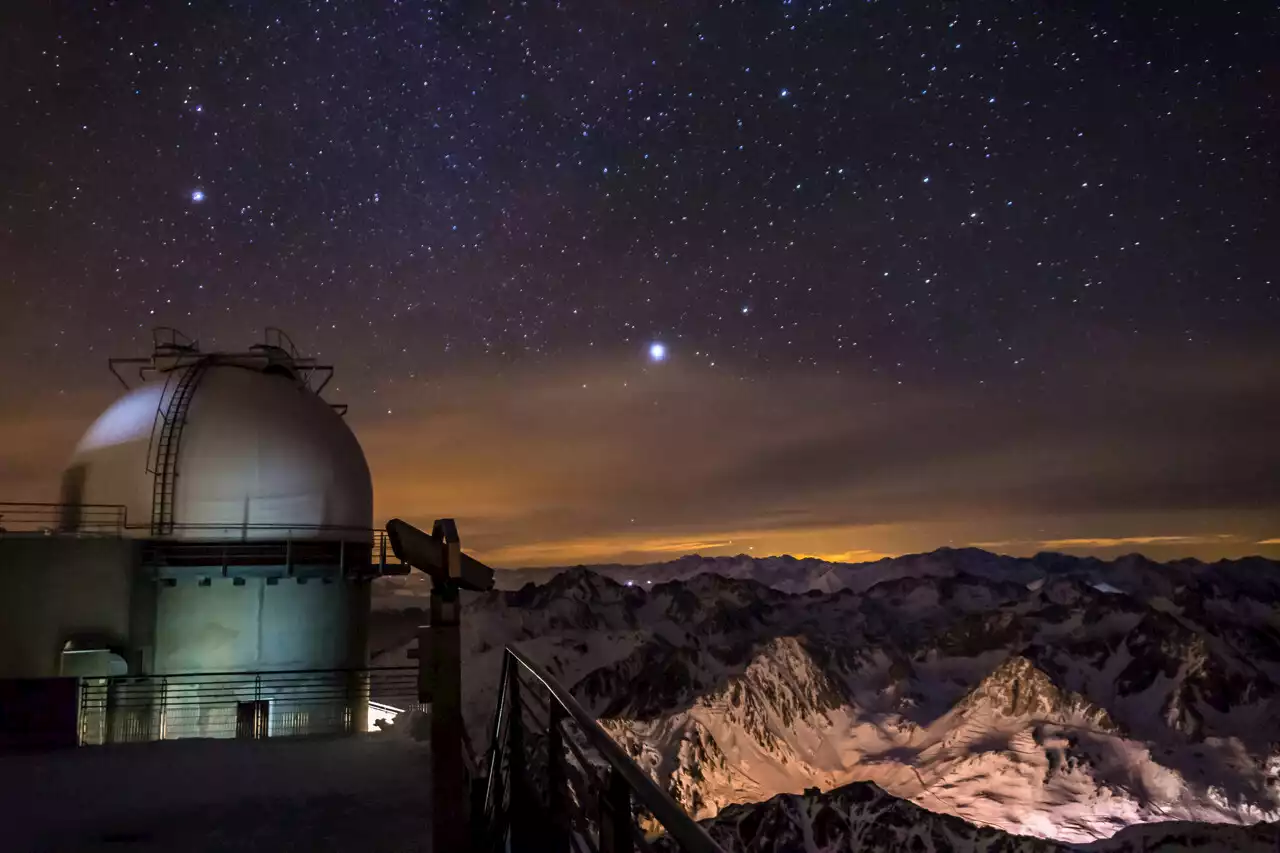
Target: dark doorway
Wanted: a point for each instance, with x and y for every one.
(252, 718)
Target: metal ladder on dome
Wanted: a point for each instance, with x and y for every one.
(170, 420)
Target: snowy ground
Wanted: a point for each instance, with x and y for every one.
(198, 796)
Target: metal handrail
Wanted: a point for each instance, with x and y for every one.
(221, 541)
(250, 675)
(95, 519)
(133, 708)
(53, 510)
(310, 528)
(117, 516)
(682, 828)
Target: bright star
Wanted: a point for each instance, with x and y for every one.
(197, 196)
(785, 93)
(657, 352)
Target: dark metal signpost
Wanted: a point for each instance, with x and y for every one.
(440, 668)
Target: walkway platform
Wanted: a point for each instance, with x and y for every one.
(366, 793)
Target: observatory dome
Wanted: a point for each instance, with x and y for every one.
(258, 453)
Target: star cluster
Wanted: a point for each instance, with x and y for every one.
(984, 197)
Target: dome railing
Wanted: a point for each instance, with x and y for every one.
(172, 350)
(352, 550)
(212, 544)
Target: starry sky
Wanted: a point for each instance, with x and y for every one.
(622, 281)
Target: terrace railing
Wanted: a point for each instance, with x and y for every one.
(563, 784)
(132, 709)
(62, 519)
(356, 549)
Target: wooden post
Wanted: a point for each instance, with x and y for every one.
(440, 669)
(450, 830)
(615, 815)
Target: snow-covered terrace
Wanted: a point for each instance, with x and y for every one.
(367, 793)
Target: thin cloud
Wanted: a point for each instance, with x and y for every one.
(608, 461)
(1103, 542)
(597, 550)
(860, 555)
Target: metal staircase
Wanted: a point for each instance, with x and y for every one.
(166, 435)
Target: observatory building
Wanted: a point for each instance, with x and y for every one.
(214, 534)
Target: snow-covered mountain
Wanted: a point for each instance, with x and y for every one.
(862, 816)
(1052, 696)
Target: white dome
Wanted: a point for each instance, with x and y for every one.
(258, 448)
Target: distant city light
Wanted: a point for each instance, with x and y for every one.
(657, 352)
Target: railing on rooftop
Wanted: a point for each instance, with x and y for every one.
(564, 784)
(353, 548)
(62, 519)
(140, 708)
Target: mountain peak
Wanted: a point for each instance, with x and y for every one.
(578, 583)
(1018, 688)
(858, 816)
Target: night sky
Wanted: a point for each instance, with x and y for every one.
(921, 274)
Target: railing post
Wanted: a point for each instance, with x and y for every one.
(83, 718)
(163, 726)
(557, 787)
(259, 721)
(518, 805)
(109, 711)
(496, 745)
(615, 815)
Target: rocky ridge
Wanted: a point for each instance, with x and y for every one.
(1052, 696)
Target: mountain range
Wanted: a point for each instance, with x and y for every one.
(863, 817)
(1054, 697)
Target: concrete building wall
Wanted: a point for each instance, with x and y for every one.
(53, 589)
(260, 626)
(96, 591)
